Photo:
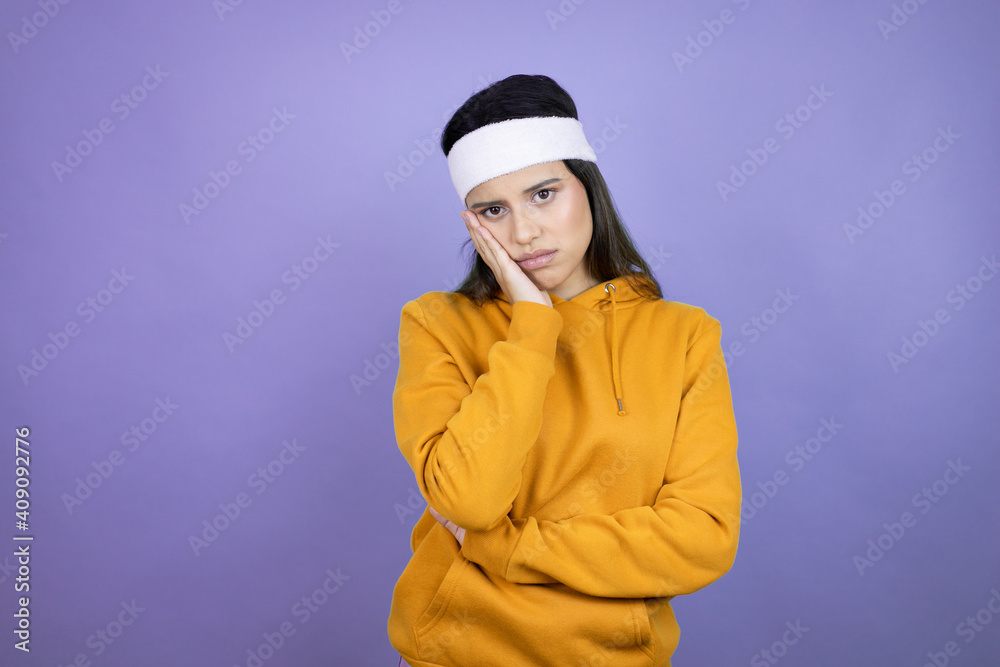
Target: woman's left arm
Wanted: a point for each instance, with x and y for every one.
(684, 541)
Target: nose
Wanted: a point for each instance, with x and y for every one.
(525, 226)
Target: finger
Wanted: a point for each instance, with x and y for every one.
(489, 248)
(477, 240)
(491, 244)
(492, 256)
(473, 224)
(482, 242)
(498, 251)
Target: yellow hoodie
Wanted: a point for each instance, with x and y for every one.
(588, 449)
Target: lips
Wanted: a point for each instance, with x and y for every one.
(538, 260)
(534, 254)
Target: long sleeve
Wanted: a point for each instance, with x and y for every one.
(684, 541)
(467, 445)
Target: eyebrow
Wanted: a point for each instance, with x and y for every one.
(525, 191)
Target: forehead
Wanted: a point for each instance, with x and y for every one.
(514, 182)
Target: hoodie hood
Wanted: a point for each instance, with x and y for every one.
(608, 296)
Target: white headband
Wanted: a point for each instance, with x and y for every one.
(505, 147)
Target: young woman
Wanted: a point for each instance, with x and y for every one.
(572, 432)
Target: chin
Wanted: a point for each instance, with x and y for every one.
(546, 280)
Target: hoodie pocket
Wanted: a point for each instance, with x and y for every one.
(643, 626)
(439, 603)
(476, 618)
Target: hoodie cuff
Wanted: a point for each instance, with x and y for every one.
(535, 327)
(493, 548)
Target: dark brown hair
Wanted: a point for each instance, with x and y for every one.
(611, 252)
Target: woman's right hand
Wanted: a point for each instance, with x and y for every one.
(514, 282)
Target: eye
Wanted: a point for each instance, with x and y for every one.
(483, 212)
(548, 192)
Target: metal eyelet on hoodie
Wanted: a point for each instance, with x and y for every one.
(615, 374)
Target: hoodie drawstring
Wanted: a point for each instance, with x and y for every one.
(615, 375)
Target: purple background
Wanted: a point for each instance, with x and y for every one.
(342, 502)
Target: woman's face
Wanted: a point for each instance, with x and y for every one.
(541, 207)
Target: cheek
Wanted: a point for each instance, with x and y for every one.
(579, 219)
(502, 237)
